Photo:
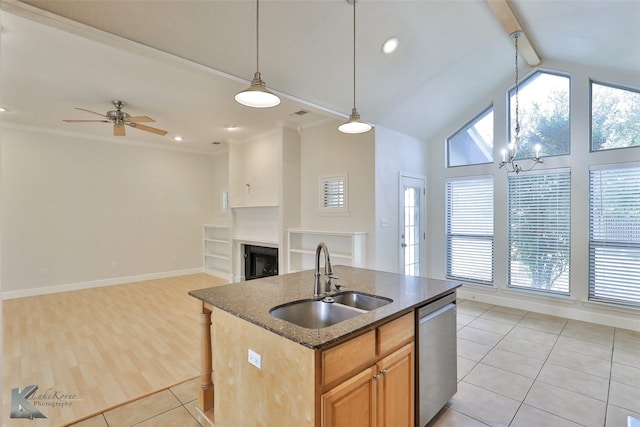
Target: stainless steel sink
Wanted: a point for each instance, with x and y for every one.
(314, 314)
(361, 301)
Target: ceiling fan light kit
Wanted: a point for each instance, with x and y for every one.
(257, 95)
(119, 119)
(354, 124)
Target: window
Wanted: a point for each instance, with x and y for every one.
(615, 117)
(333, 194)
(544, 114)
(224, 201)
(540, 231)
(614, 235)
(473, 144)
(470, 229)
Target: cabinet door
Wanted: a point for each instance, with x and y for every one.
(396, 389)
(352, 403)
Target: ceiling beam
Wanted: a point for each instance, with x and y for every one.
(510, 23)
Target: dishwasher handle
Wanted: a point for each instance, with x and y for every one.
(437, 312)
(425, 310)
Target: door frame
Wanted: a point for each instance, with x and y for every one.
(423, 221)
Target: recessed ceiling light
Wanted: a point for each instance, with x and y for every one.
(230, 127)
(177, 138)
(390, 45)
(3, 110)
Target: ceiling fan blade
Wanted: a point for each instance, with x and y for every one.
(89, 111)
(118, 130)
(148, 128)
(87, 121)
(140, 119)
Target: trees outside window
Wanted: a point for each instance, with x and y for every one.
(544, 114)
(615, 117)
(540, 231)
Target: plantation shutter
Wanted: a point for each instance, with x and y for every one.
(540, 231)
(470, 230)
(333, 193)
(614, 235)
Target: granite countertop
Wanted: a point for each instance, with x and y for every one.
(252, 300)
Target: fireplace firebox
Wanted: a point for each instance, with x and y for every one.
(260, 261)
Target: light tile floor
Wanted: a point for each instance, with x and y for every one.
(515, 368)
(523, 369)
(175, 406)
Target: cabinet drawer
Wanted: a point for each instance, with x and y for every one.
(395, 333)
(347, 357)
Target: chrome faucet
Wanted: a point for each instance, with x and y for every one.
(328, 270)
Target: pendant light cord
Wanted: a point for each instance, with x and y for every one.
(257, 35)
(354, 54)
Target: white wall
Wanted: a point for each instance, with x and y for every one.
(577, 306)
(78, 211)
(325, 152)
(220, 184)
(395, 153)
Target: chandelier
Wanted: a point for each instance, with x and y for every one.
(510, 153)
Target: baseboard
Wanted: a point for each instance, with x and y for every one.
(96, 283)
(570, 309)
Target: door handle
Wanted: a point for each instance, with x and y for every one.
(404, 245)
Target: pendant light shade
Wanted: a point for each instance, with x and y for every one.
(257, 95)
(354, 124)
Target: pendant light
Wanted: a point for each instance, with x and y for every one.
(509, 163)
(257, 95)
(354, 124)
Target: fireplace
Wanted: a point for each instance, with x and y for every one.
(260, 261)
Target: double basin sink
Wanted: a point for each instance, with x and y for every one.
(317, 314)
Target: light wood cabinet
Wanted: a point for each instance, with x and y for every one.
(381, 394)
(352, 403)
(396, 388)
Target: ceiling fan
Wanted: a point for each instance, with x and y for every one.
(119, 119)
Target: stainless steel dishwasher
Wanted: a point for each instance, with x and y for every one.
(436, 360)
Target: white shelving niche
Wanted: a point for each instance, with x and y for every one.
(217, 251)
(345, 248)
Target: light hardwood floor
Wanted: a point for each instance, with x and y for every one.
(105, 345)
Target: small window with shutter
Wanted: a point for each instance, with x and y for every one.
(333, 194)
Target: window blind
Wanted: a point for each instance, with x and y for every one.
(614, 235)
(540, 231)
(470, 230)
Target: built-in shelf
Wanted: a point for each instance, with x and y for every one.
(217, 251)
(346, 248)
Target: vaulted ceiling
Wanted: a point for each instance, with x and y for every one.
(181, 61)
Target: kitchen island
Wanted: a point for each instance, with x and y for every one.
(269, 371)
